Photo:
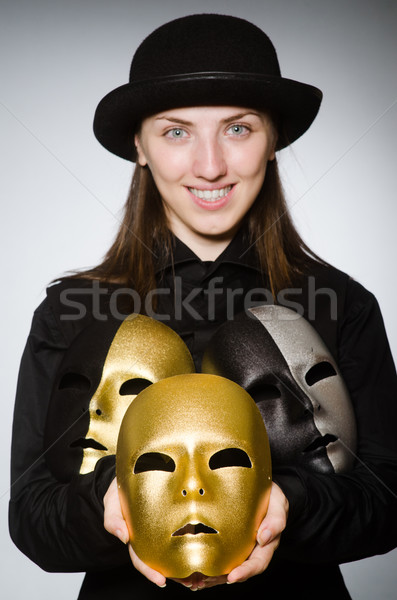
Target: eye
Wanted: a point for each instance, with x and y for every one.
(132, 387)
(264, 392)
(154, 461)
(74, 381)
(319, 371)
(237, 130)
(229, 457)
(176, 133)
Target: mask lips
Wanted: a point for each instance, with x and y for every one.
(194, 529)
(321, 442)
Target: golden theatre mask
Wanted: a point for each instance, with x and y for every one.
(280, 359)
(194, 474)
(107, 365)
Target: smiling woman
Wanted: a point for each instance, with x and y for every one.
(208, 164)
(204, 173)
(207, 237)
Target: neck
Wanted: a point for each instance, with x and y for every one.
(207, 248)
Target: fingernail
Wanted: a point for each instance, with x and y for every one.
(163, 585)
(265, 537)
(121, 537)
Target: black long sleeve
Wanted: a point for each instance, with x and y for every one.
(343, 517)
(59, 526)
(333, 518)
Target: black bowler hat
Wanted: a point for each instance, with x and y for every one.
(204, 59)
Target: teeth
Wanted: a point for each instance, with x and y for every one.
(211, 194)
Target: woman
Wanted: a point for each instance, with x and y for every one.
(206, 234)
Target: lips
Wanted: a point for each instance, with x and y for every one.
(210, 195)
(212, 199)
(321, 442)
(193, 529)
(87, 443)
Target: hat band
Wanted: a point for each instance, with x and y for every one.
(209, 75)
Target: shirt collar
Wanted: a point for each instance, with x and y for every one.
(238, 252)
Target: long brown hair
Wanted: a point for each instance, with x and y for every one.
(144, 237)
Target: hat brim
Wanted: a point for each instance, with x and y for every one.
(119, 114)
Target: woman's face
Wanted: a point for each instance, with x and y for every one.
(208, 163)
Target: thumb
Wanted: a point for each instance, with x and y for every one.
(114, 521)
(275, 520)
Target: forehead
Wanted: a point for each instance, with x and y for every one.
(197, 444)
(192, 407)
(148, 348)
(294, 336)
(205, 114)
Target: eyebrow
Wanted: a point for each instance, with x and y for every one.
(227, 120)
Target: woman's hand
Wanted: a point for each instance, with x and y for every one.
(268, 539)
(114, 523)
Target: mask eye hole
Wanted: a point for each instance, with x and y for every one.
(265, 391)
(154, 461)
(132, 387)
(75, 381)
(229, 457)
(320, 371)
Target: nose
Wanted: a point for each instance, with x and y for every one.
(193, 492)
(209, 160)
(191, 483)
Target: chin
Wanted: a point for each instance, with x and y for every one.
(219, 231)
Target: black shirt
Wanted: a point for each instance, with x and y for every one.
(332, 519)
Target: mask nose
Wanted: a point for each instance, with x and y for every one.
(193, 492)
(192, 486)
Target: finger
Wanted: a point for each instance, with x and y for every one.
(113, 519)
(213, 581)
(198, 581)
(188, 582)
(192, 581)
(148, 572)
(268, 538)
(184, 582)
(257, 562)
(275, 520)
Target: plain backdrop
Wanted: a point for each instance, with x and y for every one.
(61, 192)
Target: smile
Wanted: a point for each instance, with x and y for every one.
(210, 195)
(194, 529)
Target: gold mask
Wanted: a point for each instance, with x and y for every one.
(142, 352)
(194, 474)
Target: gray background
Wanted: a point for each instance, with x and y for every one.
(61, 193)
